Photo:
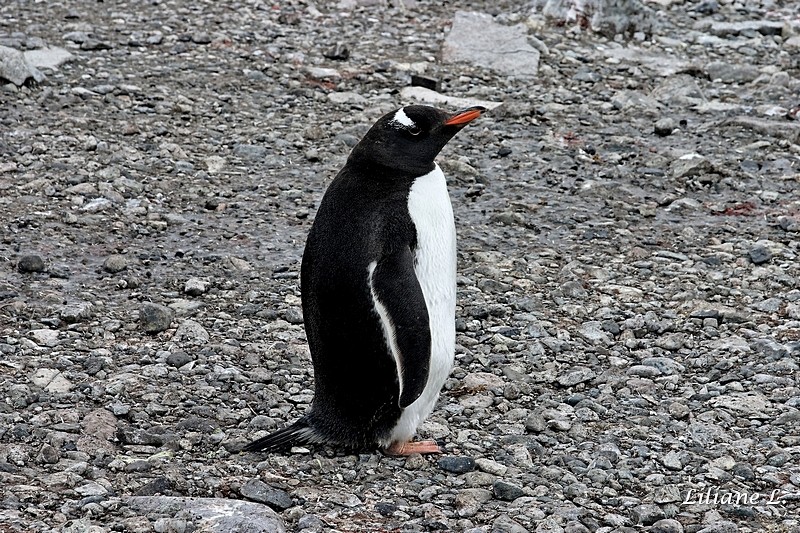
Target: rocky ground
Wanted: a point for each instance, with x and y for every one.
(629, 306)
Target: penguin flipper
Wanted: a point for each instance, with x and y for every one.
(400, 303)
(283, 439)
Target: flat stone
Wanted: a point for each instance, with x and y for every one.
(45, 337)
(576, 375)
(100, 423)
(347, 98)
(505, 524)
(15, 68)
(427, 96)
(49, 58)
(764, 27)
(731, 73)
(507, 491)
(477, 39)
(51, 380)
(212, 515)
(75, 312)
(666, 525)
(250, 151)
(260, 492)
(691, 165)
(752, 405)
(646, 514)
(457, 465)
(594, 332)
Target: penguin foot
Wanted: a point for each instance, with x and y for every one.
(407, 448)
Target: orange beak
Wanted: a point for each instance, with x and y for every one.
(466, 115)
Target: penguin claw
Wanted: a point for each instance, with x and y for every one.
(407, 448)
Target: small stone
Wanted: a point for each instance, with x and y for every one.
(192, 332)
(576, 375)
(115, 263)
(469, 501)
(664, 127)
(155, 318)
(666, 525)
(311, 155)
(195, 287)
(385, 508)
(250, 151)
(49, 455)
(259, 491)
(201, 37)
(415, 461)
(347, 98)
(95, 44)
(45, 337)
(759, 254)
(91, 488)
(506, 491)
(535, 423)
(76, 312)
(456, 464)
(594, 333)
(491, 467)
(721, 526)
(178, 359)
(505, 524)
(646, 514)
(31, 263)
(672, 461)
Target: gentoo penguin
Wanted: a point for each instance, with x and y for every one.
(378, 282)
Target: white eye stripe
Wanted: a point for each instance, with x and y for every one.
(401, 118)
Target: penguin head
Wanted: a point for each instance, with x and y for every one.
(410, 138)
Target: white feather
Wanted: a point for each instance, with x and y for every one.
(435, 267)
(402, 119)
(389, 332)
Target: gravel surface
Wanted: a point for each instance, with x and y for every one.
(629, 306)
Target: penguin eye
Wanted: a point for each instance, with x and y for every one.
(414, 130)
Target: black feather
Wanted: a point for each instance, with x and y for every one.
(283, 439)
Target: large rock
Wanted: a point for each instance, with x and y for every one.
(427, 96)
(475, 38)
(213, 515)
(49, 58)
(15, 68)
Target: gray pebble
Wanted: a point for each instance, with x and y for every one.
(31, 263)
(457, 464)
(759, 255)
(664, 127)
(115, 263)
(666, 525)
(506, 491)
(178, 358)
(646, 514)
(155, 318)
(195, 287)
(259, 491)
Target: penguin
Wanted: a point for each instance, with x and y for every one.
(378, 287)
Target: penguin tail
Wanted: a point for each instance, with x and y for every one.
(283, 439)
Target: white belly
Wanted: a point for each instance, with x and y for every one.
(432, 214)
